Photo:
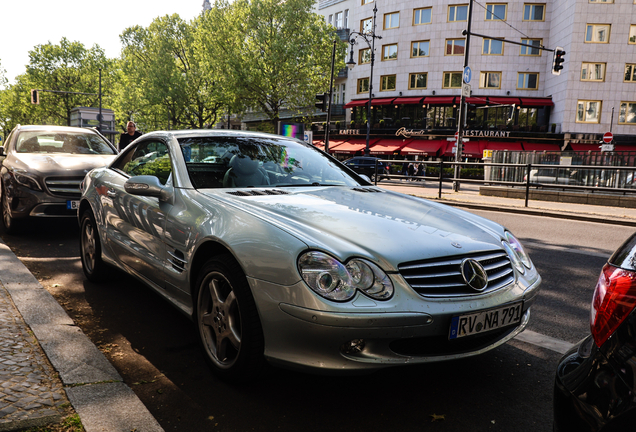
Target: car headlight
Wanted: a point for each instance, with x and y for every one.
(26, 181)
(337, 281)
(517, 254)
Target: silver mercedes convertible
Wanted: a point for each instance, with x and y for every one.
(281, 254)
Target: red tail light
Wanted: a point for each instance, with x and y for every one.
(613, 301)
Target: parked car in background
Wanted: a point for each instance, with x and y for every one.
(42, 168)
(367, 165)
(279, 253)
(595, 384)
(560, 175)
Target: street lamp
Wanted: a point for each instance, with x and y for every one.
(369, 37)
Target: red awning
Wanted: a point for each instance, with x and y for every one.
(585, 147)
(388, 146)
(384, 101)
(319, 144)
(551, 147)
(352, 146)
(476, 100)
(536, 102)
(358, 102)
(624, 148)
(503, 101)
(408, 100)
(422, 146)
(499, 145)
(440, 100)
(471, 149)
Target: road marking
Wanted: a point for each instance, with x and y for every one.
(533, 245)
(543, 341)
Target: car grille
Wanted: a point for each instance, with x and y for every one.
(66, 187)
(442, 277)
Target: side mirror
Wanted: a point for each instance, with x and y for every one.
(144, 185)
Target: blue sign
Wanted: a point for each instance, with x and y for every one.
(467, 74)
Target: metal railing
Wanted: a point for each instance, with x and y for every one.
(614, 179)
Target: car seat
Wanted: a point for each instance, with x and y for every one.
(245, 172)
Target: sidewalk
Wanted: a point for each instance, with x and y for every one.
(46, 362)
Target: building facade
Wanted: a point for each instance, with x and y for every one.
(515, 100)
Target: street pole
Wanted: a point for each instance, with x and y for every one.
(99, 116)
(462, 103)
(366, 148)
(333, 60)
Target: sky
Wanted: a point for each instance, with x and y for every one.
(28, 23)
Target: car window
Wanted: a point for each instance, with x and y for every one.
(66, 142)
(146, 158)
(234, 162)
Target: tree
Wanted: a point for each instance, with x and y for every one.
(161, 63)
(64, 70)
(273, 54)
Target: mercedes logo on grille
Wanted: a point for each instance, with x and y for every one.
(474, 274)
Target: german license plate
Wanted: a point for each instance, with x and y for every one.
(485, 321)
(72, 205)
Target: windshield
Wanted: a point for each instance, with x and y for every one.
(230, 162)
(63, 142)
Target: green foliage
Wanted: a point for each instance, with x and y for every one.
(273, 53)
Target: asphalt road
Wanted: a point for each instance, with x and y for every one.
(155, 349)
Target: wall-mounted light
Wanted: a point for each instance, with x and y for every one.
(508, 92)
(433, 91)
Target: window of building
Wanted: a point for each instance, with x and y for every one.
(492, 47)
(452, 80)
(632, 34)
(627, 113)
(330, 20)
(422, 16)
(496, 11)
(366, 2)
(455, 46)
(419, 49)
(534, 12)
(528, 51)
(527, 81)
(604, 1)
(389, 52)
(387, 82)
(364, 56)
(458, 13)
(339, 20)
(418, 81)
(343, 92)
(593, 72)
(366, 25)
(630, 72)
(588, 111)
(346, 19)
(363, 85)
(391, 20)
(597, 33)
(490, 80)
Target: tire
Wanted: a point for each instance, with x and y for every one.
(91, 249)
(11, 224)
(227, 321)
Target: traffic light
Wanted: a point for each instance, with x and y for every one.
(35, 97)
(323, 100)
(557, 61)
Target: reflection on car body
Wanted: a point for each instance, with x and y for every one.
(279, 253)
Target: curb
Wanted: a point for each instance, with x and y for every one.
(93, 386)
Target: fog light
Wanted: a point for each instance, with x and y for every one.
(354, 346)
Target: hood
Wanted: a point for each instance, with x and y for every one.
(61, 164)
(387, 227)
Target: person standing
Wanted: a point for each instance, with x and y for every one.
(129, 136)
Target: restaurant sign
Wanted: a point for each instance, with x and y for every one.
(408, 133)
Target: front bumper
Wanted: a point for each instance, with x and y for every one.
(25, 202)
(372, 338)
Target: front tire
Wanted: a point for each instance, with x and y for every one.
(91, 248)
(228, 324)
(11, 224)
